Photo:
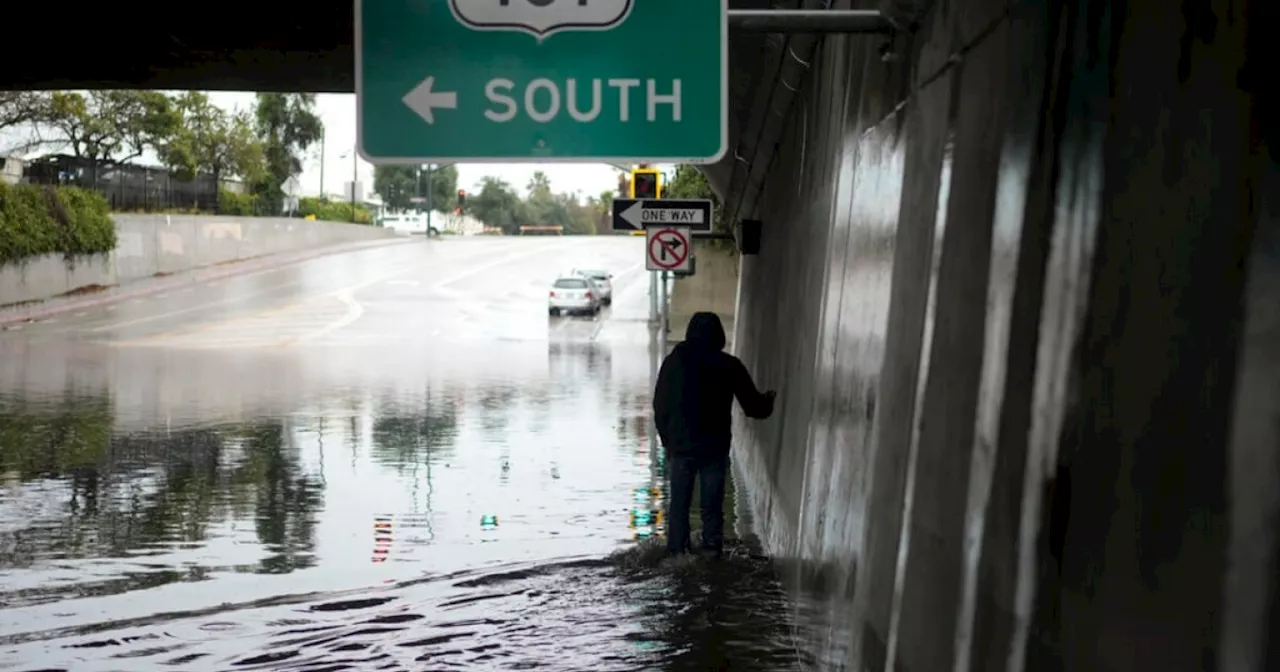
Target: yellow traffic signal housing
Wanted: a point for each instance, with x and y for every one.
(646, 183)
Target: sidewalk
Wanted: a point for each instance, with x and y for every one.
(25, 312)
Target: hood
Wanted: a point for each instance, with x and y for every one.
(705, 330)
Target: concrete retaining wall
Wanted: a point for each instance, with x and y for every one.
(1003, 309)
(160, 244)
(714, 287)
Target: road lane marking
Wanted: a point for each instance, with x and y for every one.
(345, 295)
(494, 264)
(245, 322)
(239, 297)
(418, 262)
(233, 299)
(354, 312)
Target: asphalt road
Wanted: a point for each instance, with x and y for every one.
(399, 433)
(452, 289)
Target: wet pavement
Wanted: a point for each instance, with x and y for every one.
(389, 459)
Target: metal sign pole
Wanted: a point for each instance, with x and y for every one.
(663, 306)
(653, 297)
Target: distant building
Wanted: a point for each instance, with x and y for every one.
(11, 169)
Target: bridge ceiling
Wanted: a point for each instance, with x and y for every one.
(238, 45)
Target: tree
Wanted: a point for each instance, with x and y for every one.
(211, 140)
(605, 201)
(582, 217)
(546, 208)
(23, 109)
(498, 205)
(286, 125)
(689, 182)
(443, 181)
(112, 126)
(600, 208)
(397, 185)
(539, 186)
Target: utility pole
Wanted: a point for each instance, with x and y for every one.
(322, 193)
(355, 172)
(653, 297)
(430, 168)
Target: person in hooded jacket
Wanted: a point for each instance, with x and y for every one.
(692, 409)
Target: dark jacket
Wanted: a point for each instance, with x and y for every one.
(693, 399)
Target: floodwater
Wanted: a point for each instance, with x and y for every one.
(389, 461)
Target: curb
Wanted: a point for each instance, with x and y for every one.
(192, 276)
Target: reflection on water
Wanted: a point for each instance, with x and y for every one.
(481, 521)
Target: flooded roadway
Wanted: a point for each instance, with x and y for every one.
(390, 459)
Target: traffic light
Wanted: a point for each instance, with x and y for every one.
(462, 201)
(646, 183)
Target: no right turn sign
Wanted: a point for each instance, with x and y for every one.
(668, 248)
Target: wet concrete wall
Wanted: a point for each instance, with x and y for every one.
(713, 287)
(149, 245)
(1003, 293)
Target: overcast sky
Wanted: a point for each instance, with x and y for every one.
(338, 111)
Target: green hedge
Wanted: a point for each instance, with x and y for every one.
(38, 219)
(238, 205)
(333, 211)
(248, 205)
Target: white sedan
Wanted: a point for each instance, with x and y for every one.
(573, 294)
(602, 280)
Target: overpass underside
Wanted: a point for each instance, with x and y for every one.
(1018, 289)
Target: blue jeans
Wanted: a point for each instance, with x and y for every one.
(712, 472)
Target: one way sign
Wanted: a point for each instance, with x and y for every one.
(630, 214)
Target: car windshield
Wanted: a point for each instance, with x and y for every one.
(571, 283)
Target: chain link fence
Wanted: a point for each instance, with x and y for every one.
(130, 188)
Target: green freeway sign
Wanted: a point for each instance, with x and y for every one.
(620, 81)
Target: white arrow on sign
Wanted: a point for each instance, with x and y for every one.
(632, 214)
(424, 101)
